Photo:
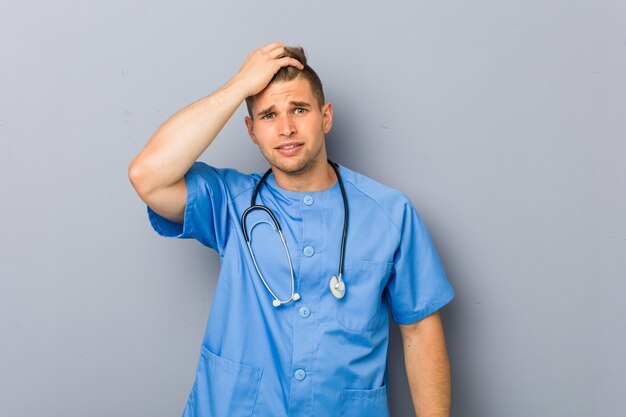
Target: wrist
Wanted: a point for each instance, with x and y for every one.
(236, 87)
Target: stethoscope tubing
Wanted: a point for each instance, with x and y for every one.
(247, 235)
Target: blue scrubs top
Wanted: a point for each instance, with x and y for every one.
(317, 356)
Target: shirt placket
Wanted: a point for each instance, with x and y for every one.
(305, 314)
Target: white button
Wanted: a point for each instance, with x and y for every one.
(300, 374)
(304, 312)
(308, 200)
(309, 251)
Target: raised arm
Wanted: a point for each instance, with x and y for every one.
(157, 172)
(427, 366)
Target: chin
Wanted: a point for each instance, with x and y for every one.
(292, 168)
(295, 165)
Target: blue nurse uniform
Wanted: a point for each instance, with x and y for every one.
(318, 356)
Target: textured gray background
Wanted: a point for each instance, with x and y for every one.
(504, 121)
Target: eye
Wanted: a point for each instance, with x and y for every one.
(299, 110)
(268, 116)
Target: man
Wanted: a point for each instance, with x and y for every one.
(298, 327)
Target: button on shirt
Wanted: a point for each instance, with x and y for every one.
(317, 355)
(304, 312)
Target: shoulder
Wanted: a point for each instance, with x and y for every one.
(390, 201)
(227, 179)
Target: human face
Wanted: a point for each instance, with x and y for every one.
(288, 125)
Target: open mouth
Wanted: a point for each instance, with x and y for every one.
(289, 149)
(290, 146)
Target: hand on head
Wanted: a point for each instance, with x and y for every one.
(261, 65)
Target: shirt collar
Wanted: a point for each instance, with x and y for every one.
(299, 195)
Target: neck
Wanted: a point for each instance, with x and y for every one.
(319, 178)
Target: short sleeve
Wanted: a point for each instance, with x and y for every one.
(206, 209)
(418, 285)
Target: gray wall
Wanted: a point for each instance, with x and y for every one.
(504, 121)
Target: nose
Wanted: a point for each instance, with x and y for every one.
(286, 126)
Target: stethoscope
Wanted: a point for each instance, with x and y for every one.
(337, 285)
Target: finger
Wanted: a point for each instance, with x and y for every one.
(271, 46)
(287, 61)
(277, 52)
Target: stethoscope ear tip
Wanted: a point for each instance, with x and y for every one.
(277, 303)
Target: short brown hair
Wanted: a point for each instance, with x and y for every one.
(291, 73)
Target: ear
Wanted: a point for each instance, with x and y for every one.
(327, 117)
(250, 126)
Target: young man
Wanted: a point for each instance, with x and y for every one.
(299, 323)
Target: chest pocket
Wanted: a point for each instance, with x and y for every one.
(362, 309)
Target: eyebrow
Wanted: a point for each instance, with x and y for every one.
(299, 104)
(272, 108)
(266, 111)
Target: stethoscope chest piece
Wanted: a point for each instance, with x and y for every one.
(337, 287)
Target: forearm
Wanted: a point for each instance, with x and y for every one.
(428, 368)
(180, 141)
